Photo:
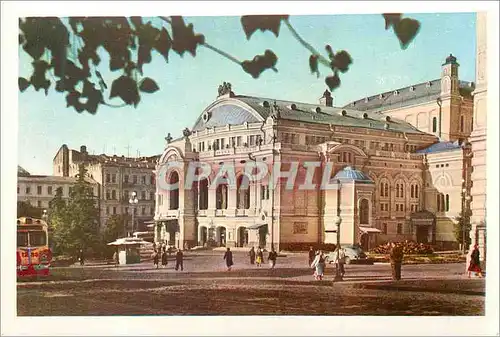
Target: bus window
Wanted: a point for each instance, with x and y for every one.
(38, 238)
(22, 239)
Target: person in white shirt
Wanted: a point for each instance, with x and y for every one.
(340, 259)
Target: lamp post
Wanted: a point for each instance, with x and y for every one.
(44, 215)
(338, 221)
(133, 203)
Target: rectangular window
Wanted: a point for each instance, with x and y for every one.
(108, 177)
(113, 194)
(134, 179)
(39, 204)
(114, 210)
(143, 210)
(143, 180)
(400, 228)
(151, 211)
(143, 195)
(108, 195)
(39, 190)
(126, 210)
(49, 190)
(258, 140)
(222, 143)
(238, 141)
(113, 178)
(251, 140)
(125, 179)
(107, 210)
(152, 179)
(300, 228)
(151, 195)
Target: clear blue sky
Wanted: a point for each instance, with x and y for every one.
(189, 84)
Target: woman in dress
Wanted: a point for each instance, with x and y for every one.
(259, 257)
(164, 260)
(475, 263)
(319, 265)
(228, 256)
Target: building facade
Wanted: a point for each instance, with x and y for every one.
(117, 178)
(392, 176)
(39, 190)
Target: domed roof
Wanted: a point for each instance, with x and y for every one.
(350, 174)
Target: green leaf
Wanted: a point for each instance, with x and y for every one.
(148, 85)
(125, 88)
(184, 38)
(341, 61)
(406, 30)
(391, 19)
(260, 63)
(332, 82)
(252, 23)
(313, 64)
(23, 83)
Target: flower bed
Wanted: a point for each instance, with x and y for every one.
(409, 248)
(421, 259)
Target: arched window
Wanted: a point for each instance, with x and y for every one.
(416, 192)
(174, 191)
(412, 191)
(386, 189)
(203, 194)
(434, 124)
(438, 200)
(243, 192)
(447, 202)
(221, 196)
(364, 212)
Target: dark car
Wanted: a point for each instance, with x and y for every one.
(353, 254)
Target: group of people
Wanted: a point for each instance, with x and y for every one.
(257, 257)
(161, 254)
(317, 261)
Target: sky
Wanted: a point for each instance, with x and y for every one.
(189, 84)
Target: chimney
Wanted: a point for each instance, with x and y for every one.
(327, 99)
(83, 149)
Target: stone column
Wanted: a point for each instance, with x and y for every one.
(478, 142)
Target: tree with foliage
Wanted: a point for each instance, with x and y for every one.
(75, 223)
(115, 228)
(68, 53)
(26, 209)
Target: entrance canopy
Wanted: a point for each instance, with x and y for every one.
(256, 226)
(368, 230)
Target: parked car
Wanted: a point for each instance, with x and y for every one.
(353, 254)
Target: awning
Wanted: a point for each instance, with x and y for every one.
(257, 226)
(369, 230)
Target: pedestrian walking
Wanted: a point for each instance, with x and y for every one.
(475, 263)
(81, 257)
(319, 265)
(251, 253)
(312, 255)
(340, 260)
(164, 260)
(396, 258)
(272, 258)
(156, 258)
(259, 257)
(179, 260)
(228, 256)
(116, 260)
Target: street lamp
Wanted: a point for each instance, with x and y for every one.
(133, 203)
(338, 221)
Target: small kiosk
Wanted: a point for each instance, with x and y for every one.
(128, 249)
